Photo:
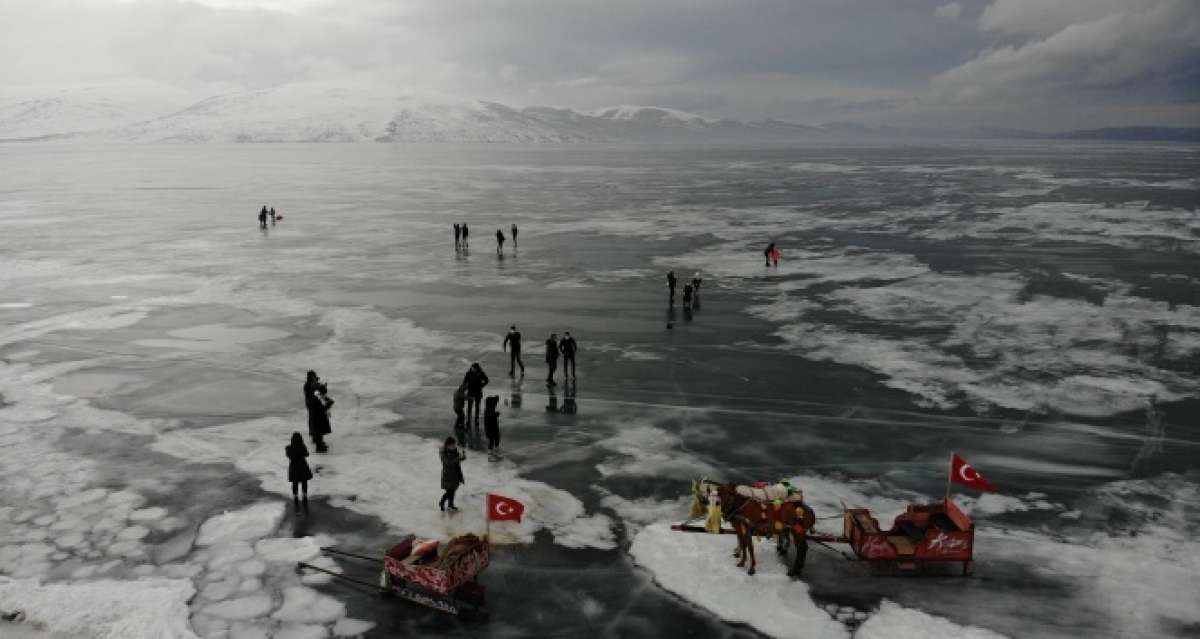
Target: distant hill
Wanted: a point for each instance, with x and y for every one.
(1135, 134)
(321, 112)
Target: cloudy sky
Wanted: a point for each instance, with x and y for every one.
(1040, 64)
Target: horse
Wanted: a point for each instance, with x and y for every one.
(791, 520)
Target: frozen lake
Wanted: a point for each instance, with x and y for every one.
(1018, 304)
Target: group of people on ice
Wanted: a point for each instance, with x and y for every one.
(267, 213)
(691, 291)
(468, 400)
(462, 235)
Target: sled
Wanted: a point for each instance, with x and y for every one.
(921, 535)
(441, 576)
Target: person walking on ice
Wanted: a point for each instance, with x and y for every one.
(298, 471)
(465, 232)
(568, 347)
(513, 341)
(452, 475)
(671, 285)
(262, 217)
(514, 235)
(499, 241)
(474, 380)
(551, 358)
(457, 236)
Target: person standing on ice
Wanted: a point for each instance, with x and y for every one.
(272, 212)
(514, 235)
(767, 253)
(568, 347)
(465, 232)
(491, 424)
(262, 217)
(298, 471)
(551, 358)
(474, 380)
(513, 340)
(499, 241)
(457, 236)
(671, 285)
(452, 475)
(317, 401)
(460, 401)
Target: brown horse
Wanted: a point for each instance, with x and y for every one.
(790, 520)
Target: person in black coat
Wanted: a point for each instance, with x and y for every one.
(474, 380)
(465, 232)
(551, 358)
(568, 347)
(317, 401)
(460, 401)
(452, 475)
(298, 471)
(671, 281)
(513, 339)
(491, 423)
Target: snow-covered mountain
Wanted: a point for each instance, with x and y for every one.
(61, 112)
(659, 116)
(314, 112)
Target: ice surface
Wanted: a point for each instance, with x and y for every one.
(699, 568)
(876, 277)
(242, 608)
(396, 488)
(348, 627)
(288, 550)
(301, 631)
(249, 523)
(893, 621)
(106, 609)
(650, 452)
(305, 605)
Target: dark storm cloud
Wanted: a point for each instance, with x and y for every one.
(808, 60)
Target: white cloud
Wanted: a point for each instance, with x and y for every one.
(948, 11)
(1078, 46)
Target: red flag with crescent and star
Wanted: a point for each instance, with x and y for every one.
(502, 508)
(965, 474)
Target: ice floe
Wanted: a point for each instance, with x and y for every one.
(893, 621)
(401, 487)
(104, 609)
(699, 569)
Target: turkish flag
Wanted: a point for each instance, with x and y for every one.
(965, 474)
(504, 508)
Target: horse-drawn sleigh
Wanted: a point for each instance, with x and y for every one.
(442, 577)
(923, 534)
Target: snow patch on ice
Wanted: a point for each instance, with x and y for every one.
(699, 569)
(393, 487)
(893, 621)
(253, 522)
(647, 451)
(348, 627)
(105, 609)
(305, 605)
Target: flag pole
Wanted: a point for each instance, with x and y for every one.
(949, 472)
